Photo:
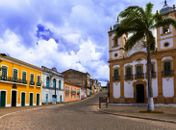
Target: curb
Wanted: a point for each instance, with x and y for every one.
(138, 117)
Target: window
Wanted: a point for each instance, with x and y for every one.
(59, 84)
(116, 74)
(54, 83)
(128, 72)
(115, 41)
(15, 75)
(139, 72)
(4, 73)
(166, 44)
(67, 91)
(167, 68)
(115, 55)
(24, 77)
(166, 29)
(47, 82)
(38, 81)
(32, 79)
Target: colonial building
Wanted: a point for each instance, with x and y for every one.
(20, 83)
(53, 86)
(95, 86)
(128, 82)
(80, 79)
(72, 92)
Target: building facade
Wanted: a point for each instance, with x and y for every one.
(80, 79)
(128, 79)
(20, 83)
(53, 86)
(72, 92)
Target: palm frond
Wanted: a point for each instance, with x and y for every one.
(133, 40)
(164, 22)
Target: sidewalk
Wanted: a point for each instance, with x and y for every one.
(134, 111)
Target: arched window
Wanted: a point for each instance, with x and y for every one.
(47, 82)
(167, 68)
(59, 84)
(129, 74)
(54, 83)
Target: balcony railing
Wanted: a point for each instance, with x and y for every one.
(116, 78)
(167, 73)
(139, 76)
(13, 80)
(129, 77)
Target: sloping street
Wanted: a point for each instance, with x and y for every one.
(76, 116)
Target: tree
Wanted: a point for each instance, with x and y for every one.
(139, 23)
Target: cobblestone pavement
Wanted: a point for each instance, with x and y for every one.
(79, 116)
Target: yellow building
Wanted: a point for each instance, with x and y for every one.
(20, 83)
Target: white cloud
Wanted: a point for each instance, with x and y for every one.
(46, 53)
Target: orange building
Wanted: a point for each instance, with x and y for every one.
(71, 92)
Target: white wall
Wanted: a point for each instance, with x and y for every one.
(169, 40)
(155, 87)
(116, 90)
(168, 87)
(128, 89)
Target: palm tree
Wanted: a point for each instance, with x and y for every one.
(139, 23)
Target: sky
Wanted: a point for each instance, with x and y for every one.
(63, 33)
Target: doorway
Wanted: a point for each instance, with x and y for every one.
(31, 99)
(46, 98)
(38, 99)
(14, 98)
(23, 99)
(2, 98)
(140, 93)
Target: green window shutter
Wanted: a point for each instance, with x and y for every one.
(167, 66)
(15, 74)
(116, 74)
(24, 76)
(32, 78)
(139, 70)
(128, 71)
(4, 72)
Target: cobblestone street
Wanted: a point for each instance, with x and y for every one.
(76, 116)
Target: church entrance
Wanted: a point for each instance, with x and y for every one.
(140, 93)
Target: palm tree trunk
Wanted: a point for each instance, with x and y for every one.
(150, 106)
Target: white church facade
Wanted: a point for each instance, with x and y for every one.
(128, 78)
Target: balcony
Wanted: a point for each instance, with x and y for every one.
(139, 76)
(12, 80)
(115, 79)
(169, 73)
(129, 77)
(32, 83)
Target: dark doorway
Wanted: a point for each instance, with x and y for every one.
(22, 99)
(14, 98)
(140, 93)
(31, 99)
(38, 99)
(2, 99)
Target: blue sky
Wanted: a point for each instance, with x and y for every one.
(62, 33)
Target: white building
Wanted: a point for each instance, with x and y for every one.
(52, 84)
(128, 81)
